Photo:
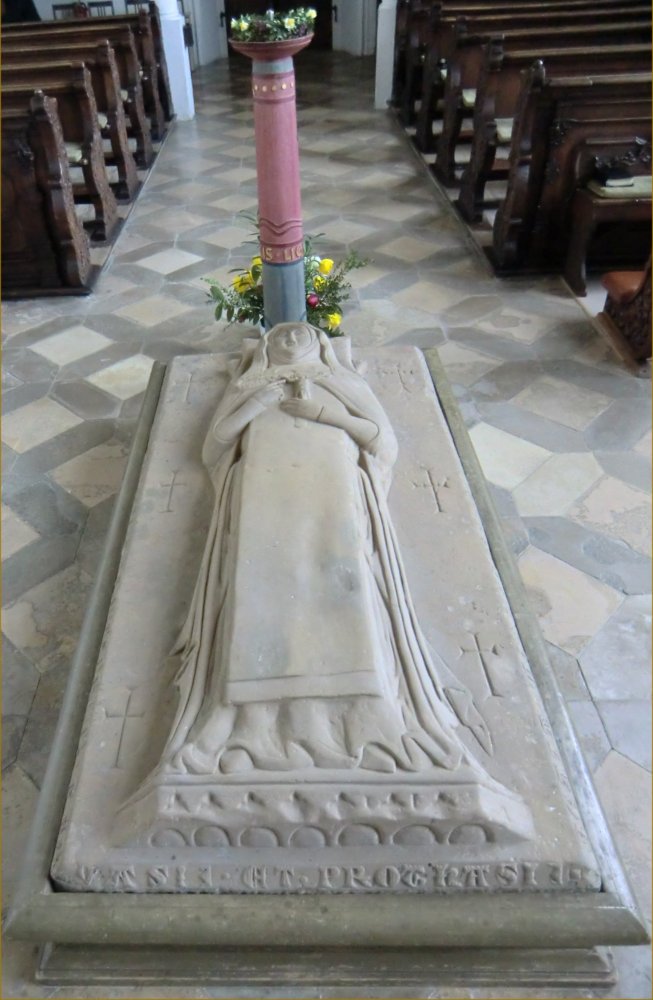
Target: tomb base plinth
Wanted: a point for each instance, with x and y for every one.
(500, 872)
(338, 972)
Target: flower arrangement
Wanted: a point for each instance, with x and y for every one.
(273, 27)
(326, 285)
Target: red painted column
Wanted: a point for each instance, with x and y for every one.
(278, 180)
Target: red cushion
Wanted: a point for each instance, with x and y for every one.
(622, 286)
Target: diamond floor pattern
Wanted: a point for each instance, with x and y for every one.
(561, 426)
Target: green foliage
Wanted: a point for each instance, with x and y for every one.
(273, 26)
(325, 282)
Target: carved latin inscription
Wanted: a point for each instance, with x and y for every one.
(404, 876)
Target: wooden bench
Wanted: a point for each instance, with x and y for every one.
(466, 64)
(152, 14)
(626, 315)
(98, 29)
(414, 31)
(79, 121)
(29, 66)
(417, 28)
(497, 94)
(452, 35)
(124, 54)
(561, 126)
(45, 250)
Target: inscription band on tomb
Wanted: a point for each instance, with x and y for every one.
(417, 877)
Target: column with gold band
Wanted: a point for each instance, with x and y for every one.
(277, 168)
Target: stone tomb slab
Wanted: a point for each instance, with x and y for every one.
(500, 871)
(128, 828)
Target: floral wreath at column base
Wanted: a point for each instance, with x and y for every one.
(325, 282)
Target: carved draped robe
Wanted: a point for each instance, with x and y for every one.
(301, 648)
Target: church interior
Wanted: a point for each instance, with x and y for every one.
(559, 414)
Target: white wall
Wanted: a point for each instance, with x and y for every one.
(355, 29)
(210, 38)
(354, 32)
(385, 44)
(44, 7)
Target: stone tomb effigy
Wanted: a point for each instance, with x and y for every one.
(313, 723)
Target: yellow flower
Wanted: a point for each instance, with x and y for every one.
(333, 321)
(311, 14)
(243, 24)
(289, 23)
(242, 282)
(326, 265)
(256, 262)
(318, 283)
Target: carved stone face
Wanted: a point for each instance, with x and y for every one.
(289, 342)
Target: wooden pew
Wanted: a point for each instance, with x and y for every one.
(79, 121)
(626, 315)
(124, 49)
(497, 94)
(561, 126)
(45, 250)
(416, 32)
(162, 78)
(30, 66)
(97, 29)
(413, 34)
(454, 34)
(466, 63)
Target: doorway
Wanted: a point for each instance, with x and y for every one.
(323, 23)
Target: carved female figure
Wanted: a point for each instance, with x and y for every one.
(301, 648)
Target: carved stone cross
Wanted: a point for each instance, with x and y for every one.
(486, 664)
(431, 484)
(171, 486)
(125, 715)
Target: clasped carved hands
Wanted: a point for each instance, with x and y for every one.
(269, 394)
(307, 409)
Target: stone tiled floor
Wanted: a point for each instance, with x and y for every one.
(561, 427)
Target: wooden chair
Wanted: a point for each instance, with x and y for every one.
(63, 11)
(99, 8)
(593, 206)
(626, 316)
